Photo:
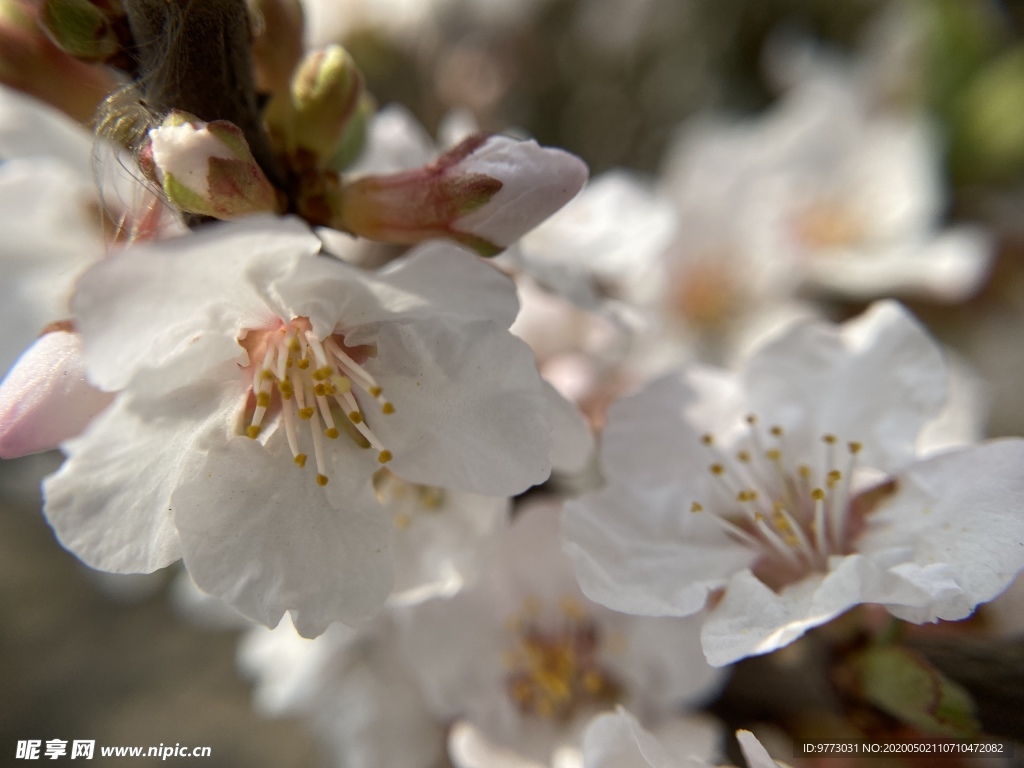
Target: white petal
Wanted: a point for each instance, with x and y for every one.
(655, 435)
(961, 511)
(950, 267)
(435, 279)
(440, 549)
(110, 503)
(46, 398)
(572, 440)
(536, 182)
(752, 619)
(184, 301)
(646, 553)
(258, 532)
(617, 740)
(50, 236)
(29, 128)
(876, 380)
(470, 408)
(469, 747)
(753, 752)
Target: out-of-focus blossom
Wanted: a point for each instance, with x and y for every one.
(606, 243)
(617, 740)
(526, 660)
(792, 492)
(441, 539)
(825, 191)
(238, 353)
(351, 687)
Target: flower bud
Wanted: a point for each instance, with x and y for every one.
(46, 398)
(277, 43)
(32, 64)
(207, 168)
(484, 193)
(327, 95)
(79, 28)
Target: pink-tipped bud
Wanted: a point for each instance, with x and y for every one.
(46, 398)
(207, 168)
(485, 193)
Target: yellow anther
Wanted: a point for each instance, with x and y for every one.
(263, 399)
(266, 374)
(320, 374)
(829, 439)
(791, 539)
(385, 456)
(387, 408)
(707, 439)
(375, 391)
(300, 459)
(294, 346)
(320, 390)
(287, 389)
(758, 517)
(743, 456)
(746, 496)
(834, 477)
(253, 431)
(817, 494)
(776, 431)
(717, 469)
(804, 470)
(303, 363)
(773, 454)
(355, 417)
(696, 507)
(321, 480)
(306, 413)
(854, 447)
(289, 362)
(331, 433)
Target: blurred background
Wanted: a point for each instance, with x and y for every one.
(616, 82)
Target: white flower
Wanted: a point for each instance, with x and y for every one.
(413, 364)
(524, 658)
(752, 484)
(826, 190)
(617, 740)
(606, 241)
(351, 687)
(441, 539)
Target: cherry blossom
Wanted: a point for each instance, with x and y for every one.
(525, 660)
(791, 491)
(260, 387)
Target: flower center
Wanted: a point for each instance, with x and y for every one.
(310, 380)
(555, 671)
(826, 225)
(794, 516)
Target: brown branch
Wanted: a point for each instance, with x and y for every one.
(194, 55)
